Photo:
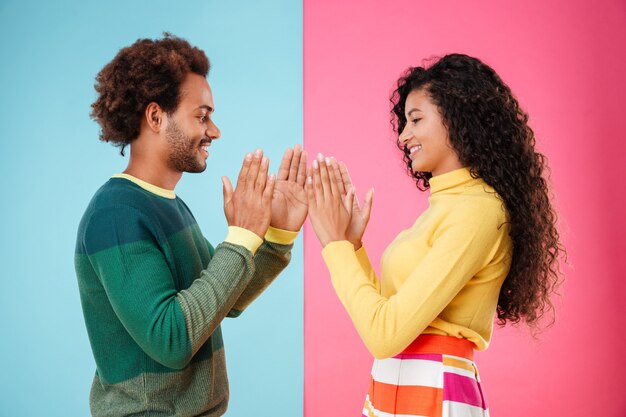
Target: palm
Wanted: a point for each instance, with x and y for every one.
(358, 223)
(360, 214)
(289, 201)
(289, 205)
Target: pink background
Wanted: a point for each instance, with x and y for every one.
(566, 63)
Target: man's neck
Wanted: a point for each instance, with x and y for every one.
(153, 173)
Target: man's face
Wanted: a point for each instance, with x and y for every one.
(190, 129)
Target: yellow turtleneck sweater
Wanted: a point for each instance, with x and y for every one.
(441, 276)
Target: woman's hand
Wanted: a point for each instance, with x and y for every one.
(330, 214)
(360, 215)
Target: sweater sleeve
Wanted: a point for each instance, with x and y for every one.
(463, 244)
(366, 265)
(169, 326)
(270, 259)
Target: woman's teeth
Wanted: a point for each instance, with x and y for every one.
(415, 149)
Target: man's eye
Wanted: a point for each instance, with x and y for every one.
(202, 119)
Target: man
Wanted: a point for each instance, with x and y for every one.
(154, 291)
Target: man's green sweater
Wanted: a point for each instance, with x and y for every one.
(154, 292)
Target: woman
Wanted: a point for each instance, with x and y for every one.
(487, 242)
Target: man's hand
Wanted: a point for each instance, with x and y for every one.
(249, 205)
(289, 203)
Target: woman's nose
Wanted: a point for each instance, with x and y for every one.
(405, 135)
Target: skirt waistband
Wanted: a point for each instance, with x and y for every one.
(447, 345)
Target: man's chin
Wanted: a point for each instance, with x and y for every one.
(197, 169)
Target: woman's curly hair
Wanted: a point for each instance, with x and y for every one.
(147, 71)
(490, 133)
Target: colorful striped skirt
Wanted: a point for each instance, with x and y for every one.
(434, 377)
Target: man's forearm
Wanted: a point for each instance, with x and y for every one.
(270, 260)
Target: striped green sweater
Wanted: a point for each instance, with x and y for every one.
(154, 292)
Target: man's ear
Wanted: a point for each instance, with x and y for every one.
(154, 116)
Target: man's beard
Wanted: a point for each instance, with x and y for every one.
(183, 150)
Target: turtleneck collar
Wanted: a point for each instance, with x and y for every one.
(450, 180)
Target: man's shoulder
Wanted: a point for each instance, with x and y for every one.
(115, 200)
(118, 191)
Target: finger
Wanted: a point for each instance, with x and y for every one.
(227, 190)
(269, 190)
(367, 205)
(345, 175)
(261, 178)
(253, 171)
(283, 171)
(325, 182)
(310, 193)
(332, 179)
(301, 178)
(340, 185)
(245, 167)
(317, 182)
(295, 162)
(349, 199)
(352, 208)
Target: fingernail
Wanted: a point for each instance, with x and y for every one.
(316, 165)
(248, 156)
(272, 177)
(258, 152)
(309, 180)
(327, 159)
(320, 157)
(264, 161)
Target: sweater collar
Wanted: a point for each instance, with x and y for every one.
(450, 180)
(161, 192)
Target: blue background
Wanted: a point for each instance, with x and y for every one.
(52, 163)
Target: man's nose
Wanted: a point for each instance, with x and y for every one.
(213, 131)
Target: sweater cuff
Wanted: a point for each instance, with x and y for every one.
(280, 236)
(361, 253)
(335, 253)
(243, 237)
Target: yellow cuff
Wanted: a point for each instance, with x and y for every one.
(243, 237)
(336, 251)
(280, 236)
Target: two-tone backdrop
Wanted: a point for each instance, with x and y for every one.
(317, 72)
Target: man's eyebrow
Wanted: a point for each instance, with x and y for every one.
(207, 107)
(412, 110)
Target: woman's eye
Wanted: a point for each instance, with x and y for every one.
(414, 121)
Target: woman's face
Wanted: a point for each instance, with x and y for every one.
(426, 137)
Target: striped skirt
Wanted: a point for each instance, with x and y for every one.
(434, 377)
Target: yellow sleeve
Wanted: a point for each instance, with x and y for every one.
(366, 265)
(462, 245)
(243, 237)
(280, 236)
